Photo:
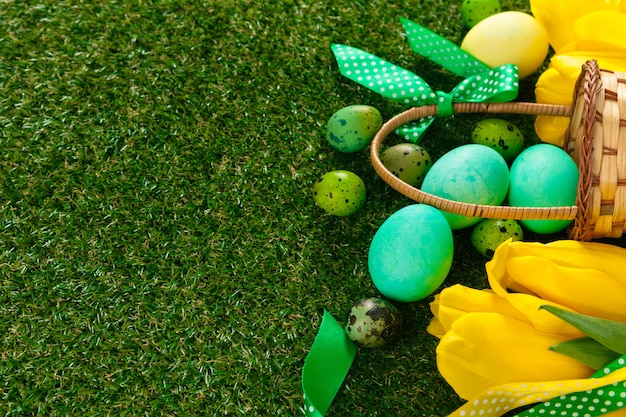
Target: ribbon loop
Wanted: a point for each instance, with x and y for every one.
(483, 84)
(440, 50)
(444, 104)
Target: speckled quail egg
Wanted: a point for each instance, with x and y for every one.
(501, 135)
(352, 128)
(373, 322)
(407, 161)
(490, 233)
(339, 192)
(473, 11)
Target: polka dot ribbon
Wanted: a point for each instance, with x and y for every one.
(483, 84)
(440, 50)
(326, 366)
(603, 393)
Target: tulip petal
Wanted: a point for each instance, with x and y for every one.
(552, 129)
(556, 84)
(456, 301)
(586, 277)
(557, 16)
(604, 26)
(483, 350)
(583, 289)
(610, 259)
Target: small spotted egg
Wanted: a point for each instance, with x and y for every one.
(408, 162)
(373, 322)
(352, 128)
(339, 192)
(473, 11)
(499, 134)
(490, 233)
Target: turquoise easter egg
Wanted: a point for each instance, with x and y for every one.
(543, 175)
(411, 253)
(471, 173)
(352, 128)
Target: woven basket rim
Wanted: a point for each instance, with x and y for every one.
(456, 207)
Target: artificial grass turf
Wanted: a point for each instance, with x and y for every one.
(160, 250)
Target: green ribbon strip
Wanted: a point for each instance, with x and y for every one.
(590, 403)
(483, 84)
(441, 51)
(326, 366)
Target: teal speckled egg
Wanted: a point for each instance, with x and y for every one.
(352, 128)
(339, 192)
(473, 11)
(506, 138)
(470, 173)
(491, 233)
(407, 161)
(411, 253)
(543, 175)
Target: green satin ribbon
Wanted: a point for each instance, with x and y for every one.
(441, 51)
(589, 403)
(326, 366)
(483, 84)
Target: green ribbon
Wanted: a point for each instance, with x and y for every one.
(483, 84)
(590, 403)
(326, 366)
(441, 51)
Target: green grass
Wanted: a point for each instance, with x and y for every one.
(160, 251)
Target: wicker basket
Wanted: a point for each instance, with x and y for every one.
(596, 140)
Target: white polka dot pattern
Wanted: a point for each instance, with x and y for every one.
(440, 50)
(382, 77)
(604, 393)
(494, 85)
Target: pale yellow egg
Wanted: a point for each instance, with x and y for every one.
(508, 38)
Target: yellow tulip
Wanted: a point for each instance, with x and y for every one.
(578, 30)
(483, 350)
(557, 17)
(499, 335)
(587, 277)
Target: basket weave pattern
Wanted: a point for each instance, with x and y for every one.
(596, 140)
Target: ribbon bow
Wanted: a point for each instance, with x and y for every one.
(482, 85)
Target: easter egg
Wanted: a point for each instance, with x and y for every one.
(407, 161)
(543, 175)
(339, 192)
(491, 233)
(473, 11)
(411, 253)
(508, 38)
(352, 128)
(470, 173)
(373, 322)
(503, 136)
